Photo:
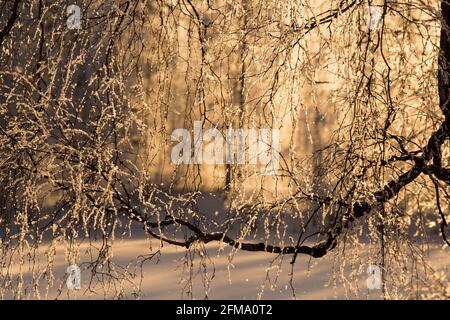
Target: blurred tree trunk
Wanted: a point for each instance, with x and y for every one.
(232, 173)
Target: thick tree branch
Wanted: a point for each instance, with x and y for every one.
(12, 19)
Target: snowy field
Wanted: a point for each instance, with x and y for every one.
(248, 276)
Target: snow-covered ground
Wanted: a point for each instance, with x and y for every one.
(246, 277)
